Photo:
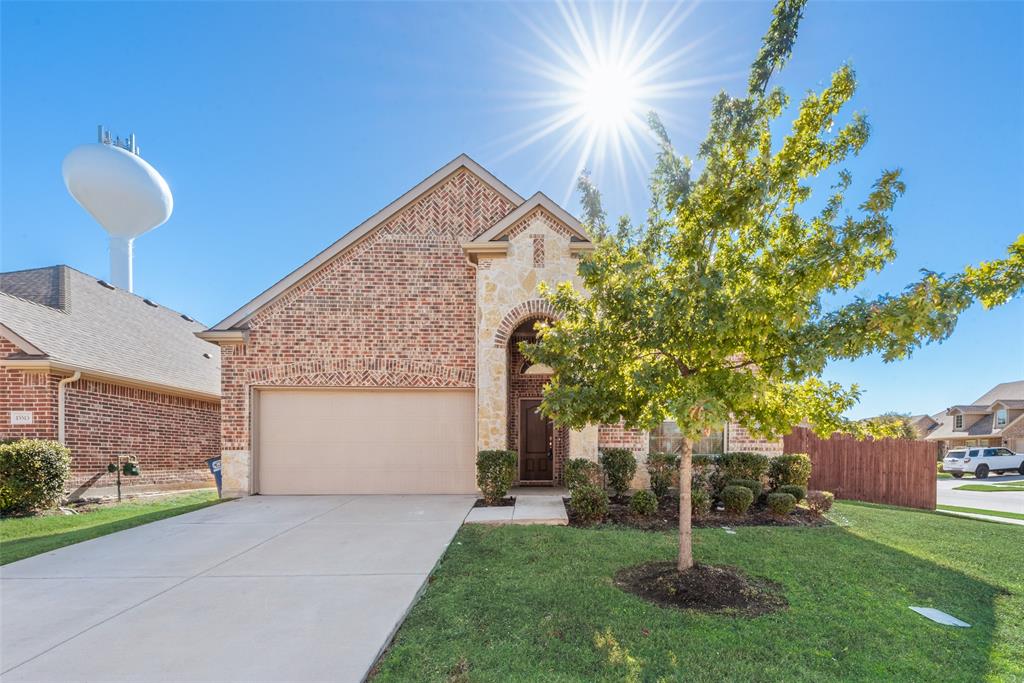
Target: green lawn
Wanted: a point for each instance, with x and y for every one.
(978, 511)
(1008, 486)
(22, 537)
(518, 603)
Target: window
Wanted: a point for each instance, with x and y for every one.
(958, 422)
(974, 453)
(667, 439)
(990, 453)
(1001, 417)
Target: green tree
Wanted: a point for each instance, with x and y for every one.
(899, 423)
(718, 305)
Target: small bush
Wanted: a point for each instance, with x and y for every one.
(643, 504)
(754, 486)
(700, 503)
(781, 504)
(798, 492)
(589, 503)
(581, 472)
(792, 468)
(664, 471)
(738, 465)
(619, 465)
(702, 461)
(33, 474)
(820, 502)
(737, 499)
(495, 472)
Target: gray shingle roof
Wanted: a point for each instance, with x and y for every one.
(1009, 393)
(1006, 390)
(75, 320)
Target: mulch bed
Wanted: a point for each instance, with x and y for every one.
(503, 503)
(704, 587)
(667, 517)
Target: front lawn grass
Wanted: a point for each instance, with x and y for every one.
(22, 537)
(532, 603)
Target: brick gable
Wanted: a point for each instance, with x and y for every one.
(395, 309)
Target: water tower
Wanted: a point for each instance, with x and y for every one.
(125, 195)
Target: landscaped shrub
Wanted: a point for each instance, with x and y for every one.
(738, 465)
(581, 472)
(700, 503)
(589, 503)
(781, 504)
(643, 504)
(820, 502)
(792, 468)
(795, 490)
(752, 484)
(737, 499)
(33, 474)
(495, 471)
(619, 465)
(664, 471)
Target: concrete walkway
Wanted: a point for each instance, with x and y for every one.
(269, 588)
(534, 505)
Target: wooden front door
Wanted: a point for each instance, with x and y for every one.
(536, 443)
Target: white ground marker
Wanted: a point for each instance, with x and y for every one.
(940, 617)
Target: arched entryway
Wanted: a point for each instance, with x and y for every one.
(540, 444)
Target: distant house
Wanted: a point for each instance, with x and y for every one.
(108, 373)
(995, 419)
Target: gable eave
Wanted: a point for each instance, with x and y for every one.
(349, 239)
(24, 345)
(538, 200)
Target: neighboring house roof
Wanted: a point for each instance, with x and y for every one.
(1008, 394)
(238, 318)
(63, 318)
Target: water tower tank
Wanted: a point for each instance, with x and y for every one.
(125, 195)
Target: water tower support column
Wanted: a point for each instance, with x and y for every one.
(121, 262)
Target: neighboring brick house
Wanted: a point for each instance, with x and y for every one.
(108, 373)
(384, 363)
(994, 419)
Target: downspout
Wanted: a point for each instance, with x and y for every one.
(60, 402)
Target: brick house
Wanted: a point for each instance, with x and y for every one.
(385, 362)
(108, 373)
(993, 419)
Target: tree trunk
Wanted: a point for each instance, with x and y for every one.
(685, 531)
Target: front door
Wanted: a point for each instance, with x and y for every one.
(535, 443)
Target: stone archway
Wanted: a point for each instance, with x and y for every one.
(534, 309)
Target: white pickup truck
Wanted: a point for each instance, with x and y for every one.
(980, 460)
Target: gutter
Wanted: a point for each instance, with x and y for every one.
(60, 402)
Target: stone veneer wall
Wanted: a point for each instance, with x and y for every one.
(506, 295)
(396, 309)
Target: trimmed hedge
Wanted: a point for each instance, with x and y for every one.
(700, 503)
(619, 465)
(643, 504)
(589, 503)
(795, 490)
(663, 469)
(738, 465)
(781, 504)
(495, 472)
(33, 475)
(789, 469)
(737, 499)
(752, 484)
(581, 472)
(820, 502)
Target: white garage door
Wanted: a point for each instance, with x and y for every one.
(365, 441)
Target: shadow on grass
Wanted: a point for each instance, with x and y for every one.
(21, 548)
(531, 603)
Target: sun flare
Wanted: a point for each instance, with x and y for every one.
(602, 72)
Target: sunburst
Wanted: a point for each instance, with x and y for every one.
(605, 69)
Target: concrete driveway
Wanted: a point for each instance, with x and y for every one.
(1006, 501)
(268, 588)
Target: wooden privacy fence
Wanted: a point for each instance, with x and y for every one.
(891, 471)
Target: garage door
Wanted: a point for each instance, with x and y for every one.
(365, 441)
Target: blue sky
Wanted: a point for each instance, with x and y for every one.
(281, 126)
